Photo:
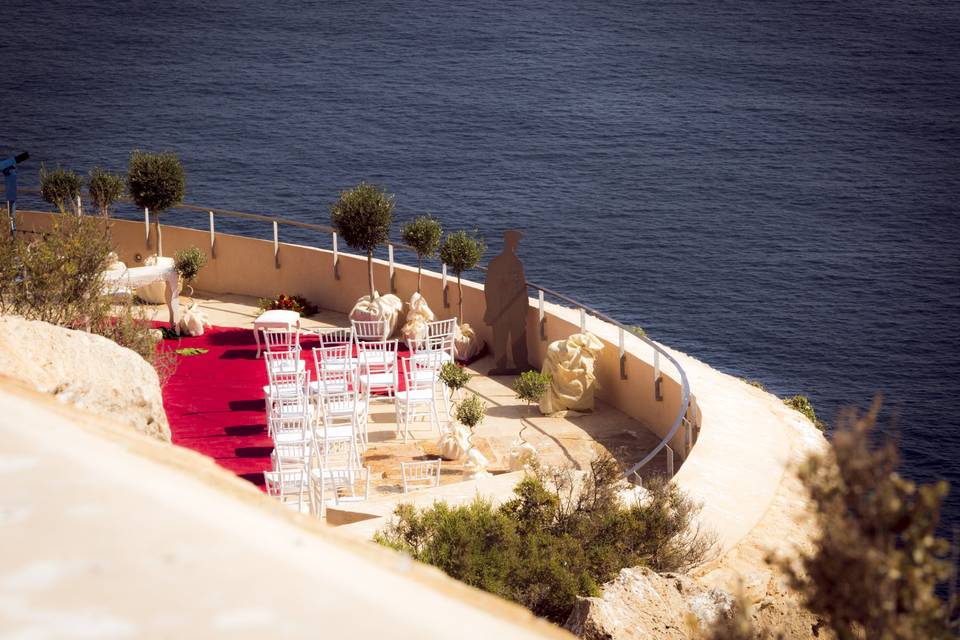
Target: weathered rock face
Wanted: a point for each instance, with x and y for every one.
(86, 370)
(640, 604)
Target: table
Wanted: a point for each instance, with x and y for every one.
(130, 279)
(275, 319)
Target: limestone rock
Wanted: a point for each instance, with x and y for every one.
(640, 604)
(86, 370)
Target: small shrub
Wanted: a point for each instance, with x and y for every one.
(638, 331)
(531, 385)
(188, 263)
(423, 234)
(60, 187)
(756, 383)
(288, 303)
(362, 216)
(803, 405)
(462, 252)
(454, 376)
(470, 412)
(105, 188)
(877, 563)
(558, 538)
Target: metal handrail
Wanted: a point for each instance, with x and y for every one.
(681, 419)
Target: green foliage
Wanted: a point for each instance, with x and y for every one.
(530, 385)
(58, 277)
(288, 303)
(189, 262)
(454, 376)
(470, 412)
(60, 187)
(638, 331)
(191, 351)
(804, 406)
(362, 216)
(461, 251)
(423, 234)
(759, 385)
(558, 538)
(155, 180)
(105, 188)
(876, 563)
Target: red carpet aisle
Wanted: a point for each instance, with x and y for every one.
(214, 401)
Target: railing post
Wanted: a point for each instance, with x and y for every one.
(657, 378)
(543, 316)
(213, 238)
(146, 224)
(443, 280)
(623, 356)
(276, 245)
(336, 258)
(669, 461)
(583, 320)
(79, 206)
(393, 285)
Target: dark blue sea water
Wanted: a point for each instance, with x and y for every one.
(770, 186)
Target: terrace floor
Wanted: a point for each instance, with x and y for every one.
(217, 409)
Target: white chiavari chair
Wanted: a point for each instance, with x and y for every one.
(376, 330)
(420, 475)
(378, 368)
(419, 397)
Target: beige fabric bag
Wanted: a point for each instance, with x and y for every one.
(570, 364)
(466, 343)
(386, 308)
(194, 321)
(418, 315)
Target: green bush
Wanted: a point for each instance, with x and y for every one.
(803, 405)
(877, 564)
(58, 277)
(454, 376)
(189, 262)
(423, 234)
(105, 188)
(362, 216)
(557, 539)
(531, 385)
(156, 181)
(756, 383)
(60, 187)
(462, 252)
(470, 412)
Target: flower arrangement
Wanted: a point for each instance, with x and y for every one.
(289, 303)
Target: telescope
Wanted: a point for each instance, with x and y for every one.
(9, 169)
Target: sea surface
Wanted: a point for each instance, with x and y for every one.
(770, 186)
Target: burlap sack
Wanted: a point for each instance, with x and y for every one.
(570, 364)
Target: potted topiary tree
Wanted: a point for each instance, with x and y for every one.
(156, 181)
(462, 252)
(59, 187)
(455, 378)
(188, 263)
(529, 386)
(470, 413)
(423, 234)
(105, 188)
(362, 215)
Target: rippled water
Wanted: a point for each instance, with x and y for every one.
(770, 186)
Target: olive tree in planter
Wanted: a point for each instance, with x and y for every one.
(105, 188)
(423, 234)
(188, 263)
(156, 181)
(362, 216)
(530, 387)
(462, 252)
(455, 377)
(60, 187)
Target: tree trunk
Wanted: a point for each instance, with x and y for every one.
(460, 291)
(156, 229)
(419, 273)
(370, 272)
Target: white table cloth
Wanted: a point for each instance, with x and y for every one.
(275, 319)
(129, 279)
